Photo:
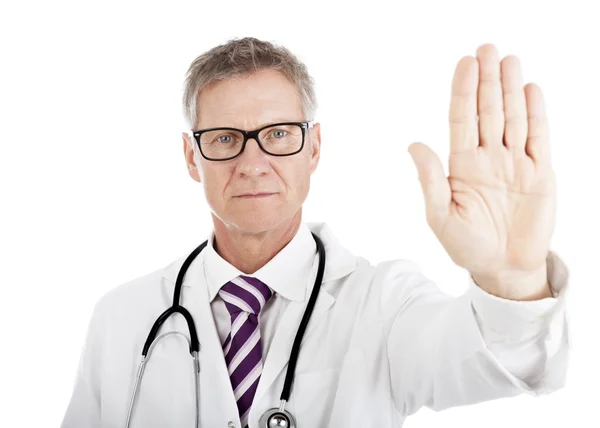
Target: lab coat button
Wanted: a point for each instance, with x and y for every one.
(230, 425)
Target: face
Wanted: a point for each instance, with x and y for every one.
(282, 183)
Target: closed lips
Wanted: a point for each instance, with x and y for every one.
(254, 195)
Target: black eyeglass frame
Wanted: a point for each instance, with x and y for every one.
(254, 135)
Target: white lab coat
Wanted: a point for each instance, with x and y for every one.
(383, 341)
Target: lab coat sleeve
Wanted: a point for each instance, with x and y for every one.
(83, 409)
(448, 351)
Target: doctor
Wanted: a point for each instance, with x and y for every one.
(382, 340)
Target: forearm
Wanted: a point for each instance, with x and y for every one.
(445, 352)
(528, 336)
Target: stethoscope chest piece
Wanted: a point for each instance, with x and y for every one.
(276, 418)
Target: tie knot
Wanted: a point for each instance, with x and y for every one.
(245, 293)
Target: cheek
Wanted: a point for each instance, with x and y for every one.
(214, 182)
(296, 178)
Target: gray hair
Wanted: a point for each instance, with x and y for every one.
(242, 57)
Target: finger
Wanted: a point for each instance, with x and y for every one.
(434, 183)
(515, 109)
(489, 98)
(538, 139)
(463, 106)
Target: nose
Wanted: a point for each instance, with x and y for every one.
(253, 162)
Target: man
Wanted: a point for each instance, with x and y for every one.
(382, 341)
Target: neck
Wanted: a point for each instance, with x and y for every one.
(249, 251)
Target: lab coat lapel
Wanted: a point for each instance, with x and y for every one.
(339, 263)
(216, 394)
(281, 346)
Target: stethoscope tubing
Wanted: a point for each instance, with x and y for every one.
(194, 343)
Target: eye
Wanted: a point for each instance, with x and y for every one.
(278, 133)
(224, 138)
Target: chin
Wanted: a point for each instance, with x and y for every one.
(256, 216)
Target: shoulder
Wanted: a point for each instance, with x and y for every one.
(342, 262)
(394, 278)
(142, 291)
(388, 269)
(391, 281)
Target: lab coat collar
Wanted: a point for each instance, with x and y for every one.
(339, 263)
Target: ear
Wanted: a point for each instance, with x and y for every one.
(314, 141)
(188, 152)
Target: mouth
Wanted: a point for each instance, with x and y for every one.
(254, 195)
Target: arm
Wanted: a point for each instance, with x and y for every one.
(446, 351)
(494, 215)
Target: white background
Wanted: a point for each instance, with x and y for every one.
(94, 189)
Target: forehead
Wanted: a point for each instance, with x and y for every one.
(249, 102)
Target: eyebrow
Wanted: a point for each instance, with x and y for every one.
(263, 124)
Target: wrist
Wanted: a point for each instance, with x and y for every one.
(516, 285)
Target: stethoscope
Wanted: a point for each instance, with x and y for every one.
(275, 417)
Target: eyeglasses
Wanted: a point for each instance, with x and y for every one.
(277, 139)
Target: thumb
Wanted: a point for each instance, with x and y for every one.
(435, 185)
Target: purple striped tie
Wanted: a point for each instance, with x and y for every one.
(244, 298)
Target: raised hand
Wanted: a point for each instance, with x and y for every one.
(495, 212)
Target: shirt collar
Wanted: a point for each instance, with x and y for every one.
(277, 274)
(286, 274)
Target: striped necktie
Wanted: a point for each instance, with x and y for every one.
(244, 298)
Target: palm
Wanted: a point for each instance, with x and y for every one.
(495, 211)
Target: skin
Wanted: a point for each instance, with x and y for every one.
(494, 214)
(251, 231)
